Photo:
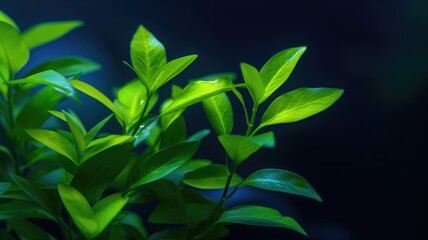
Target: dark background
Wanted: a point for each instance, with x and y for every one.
(364, 155)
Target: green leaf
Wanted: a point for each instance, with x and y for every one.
(13, 209)
(97, 95)
(145, 130)
(4, 186)
(131, 99)
(50, 78)
(163, 162)
(197, 91)
(277, 70)
(147, 55)
(199, 135)
(37, 194)
(210, 177)
(77, 132)
(94, 131)
(79, 210)
(239, 147)
(67, 66)
(219, 113)
(299, 104)
(101, 144)
(14, 54)
(106, 209)
(99, 171)
(170, 70)
(174, 134)
(281, 181)
(266, 139)
(35, 113)
(54, 141)
(167, 119)
(5, 18)
(254, 82)
(177, 175)
(47, 32)
(6, 151)
(259, 216)
(27, 230)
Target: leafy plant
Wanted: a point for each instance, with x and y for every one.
(92, 184)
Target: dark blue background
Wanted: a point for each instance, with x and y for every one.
(364, 155)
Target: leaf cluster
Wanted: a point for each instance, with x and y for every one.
(89, 182)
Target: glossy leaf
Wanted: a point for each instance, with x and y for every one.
(131, 99)
(277, 70)
(97, 95)
(147, 55)
(5, 18)
(219, 113)
(14, 53)
(99, 171)
(167, 119)
(170, 70)
(47, 32)
(67, 66)
(77, 132)
(199, 135)
(37, 194)
(299, 104)
(35, 113)
(106, 209)
(79, 210)
(145, 130)
(238, 147)
(210, 177)
(266, 139)
(178, 174)
(254, 82)
(54, 141)
(163, 162)
(259, 216)
(50, 78)
(197, 91)
(101, 144)
(281, 181)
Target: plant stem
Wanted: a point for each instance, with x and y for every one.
(209, 223)
(143, 112)
(253, 118)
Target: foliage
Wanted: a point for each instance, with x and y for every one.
(91, 183)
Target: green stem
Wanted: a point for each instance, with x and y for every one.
(253, 119)
(241, 100)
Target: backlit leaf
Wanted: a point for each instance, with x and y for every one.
(97, 95)
(253, 81)
(281, 181)
(299, 104)
(163, 162)
(106, 209)
(219, 113)
(101, 144)
(47, 32)
(277, 70)
(147, 55)
(239, 147)
(210, 177)
(14, 53)
(54, 141)
(50, 78)
(197, 91)
(259, 216)
(5, 18)
(267, 139)
(170, 70)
